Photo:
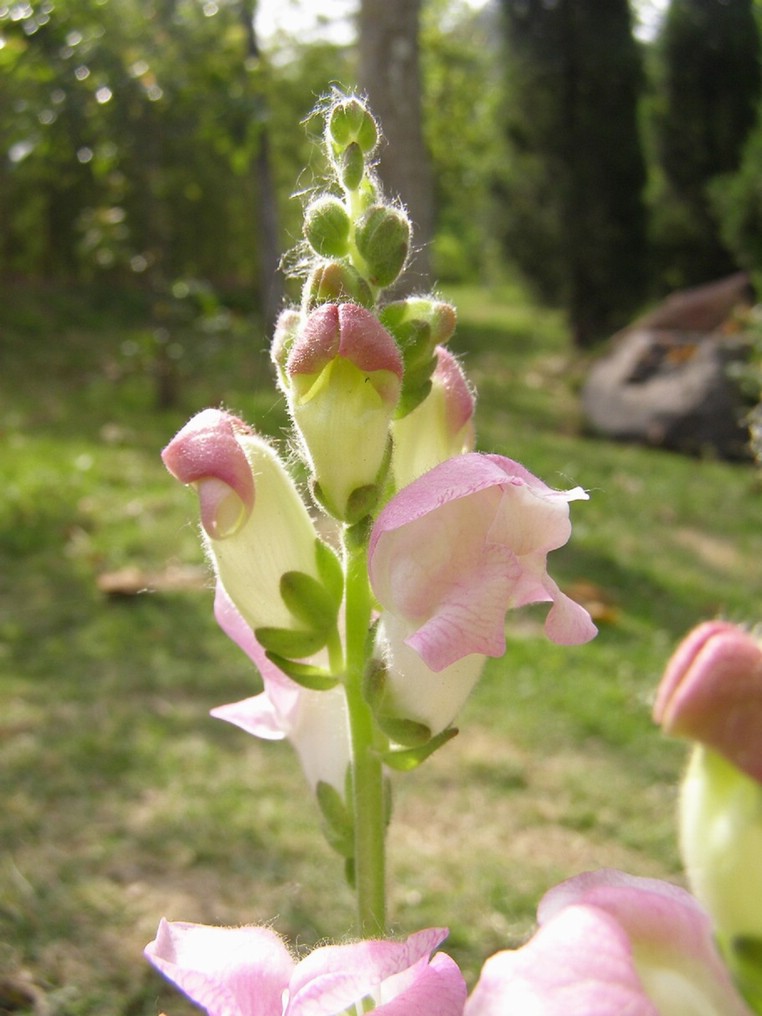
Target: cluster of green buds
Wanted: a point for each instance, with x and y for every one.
(375, 398)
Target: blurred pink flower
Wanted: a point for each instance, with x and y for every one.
(464, 543)
(611, 944)
(249, 971)
(711, 692)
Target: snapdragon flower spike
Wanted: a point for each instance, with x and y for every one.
(256, 528)
(345, 375)
(464, 543)
(440, 427)
(711, 692)
(315, 722)
(611, 943)
(248, 971)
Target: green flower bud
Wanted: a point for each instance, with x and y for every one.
(333, 282)
(383, 240)
(352, 167)
(350, 121)
(286, 328)
(721, 843)
(327, 227)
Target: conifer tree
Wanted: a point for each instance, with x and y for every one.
(709, 90)
(572, 210)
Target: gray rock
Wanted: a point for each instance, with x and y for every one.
(667, 385)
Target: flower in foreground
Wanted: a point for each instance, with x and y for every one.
(464, 543)
(611, 944)
(249, 971)
(711, 693)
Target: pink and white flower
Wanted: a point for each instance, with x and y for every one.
(464, 543)
(611, 944)
(249, 971)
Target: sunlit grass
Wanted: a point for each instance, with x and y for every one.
(123, 801)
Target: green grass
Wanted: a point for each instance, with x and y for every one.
(123, 801)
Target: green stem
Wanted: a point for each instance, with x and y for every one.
(367, 770)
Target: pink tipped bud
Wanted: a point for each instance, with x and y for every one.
(711, 692)
(207, 452)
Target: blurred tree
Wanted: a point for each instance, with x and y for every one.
(390, 74)
(136, 132)
(572, 213)
(462, 97)
(708, 90)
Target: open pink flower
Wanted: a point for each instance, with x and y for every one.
(314, 721)
(464, 543)
(611, 944)
(249, 972)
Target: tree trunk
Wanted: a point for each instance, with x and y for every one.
(390, 75)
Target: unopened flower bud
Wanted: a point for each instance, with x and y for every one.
(721, 843)
(256, 527)
(333, 282)
(350, 121)
(327, 227)
(711, 693)
(345, 376)
(441, 426)
(352, 167)
(286, 328)
(383, 239)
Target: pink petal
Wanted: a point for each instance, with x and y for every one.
(228, 971)
(334, 978)
(711, 692)
(579, 964)
(346, 330)
(667, 927)
(207, 447)
(256, 715)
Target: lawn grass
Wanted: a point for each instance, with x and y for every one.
(122, 800)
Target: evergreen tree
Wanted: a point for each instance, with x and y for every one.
(710, 83)
(573, 216)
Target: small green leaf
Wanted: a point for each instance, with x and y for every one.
(361, 503)
(337, 819)
(406, 732)
(309, 600)
(374, 683)
(410, 758)
(289, 643)
(330, 571)
(304, 674)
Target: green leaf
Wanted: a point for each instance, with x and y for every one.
(304, 674)
(374, 683)
(330, 571)
(405, 732)
(410, 758)
(290, 643)
(309, 601)
(339, 828)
